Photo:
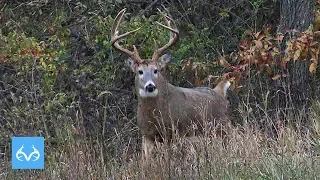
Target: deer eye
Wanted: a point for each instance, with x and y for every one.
(140, 72)
(155, 71)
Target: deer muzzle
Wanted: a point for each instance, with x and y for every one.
(150, 88)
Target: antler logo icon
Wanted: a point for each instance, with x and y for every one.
(35, 154)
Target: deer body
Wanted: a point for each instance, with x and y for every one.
(164, 109)
(178, 109)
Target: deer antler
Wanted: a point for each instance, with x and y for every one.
(134, 55)
(174, 35)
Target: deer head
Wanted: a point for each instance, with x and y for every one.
(147, 70)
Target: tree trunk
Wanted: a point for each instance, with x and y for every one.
(292, 96)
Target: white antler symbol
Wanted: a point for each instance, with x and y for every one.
(35, 154)
(19, 152)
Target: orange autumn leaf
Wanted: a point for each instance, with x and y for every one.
(276, 77)
(304, 54)
(268, 70)
(317, 33)
(280, 37)
(237, 89)
(258, 43)
(313, 68)
(297, 54)
(224, 63)
(313, 43)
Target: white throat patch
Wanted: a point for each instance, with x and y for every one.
(144, 93)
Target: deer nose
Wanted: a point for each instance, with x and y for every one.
(150, 87)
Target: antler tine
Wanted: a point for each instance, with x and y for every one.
(134, 55)
(174, 35)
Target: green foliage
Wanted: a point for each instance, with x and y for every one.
(256, 3)
(62, 59)
(29, 55)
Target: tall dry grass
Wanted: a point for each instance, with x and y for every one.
(249, 153)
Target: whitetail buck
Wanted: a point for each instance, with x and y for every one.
(164, 109)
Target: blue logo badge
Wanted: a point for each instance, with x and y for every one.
(27, 153)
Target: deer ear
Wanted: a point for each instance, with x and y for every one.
(164, 60)
(131, 63)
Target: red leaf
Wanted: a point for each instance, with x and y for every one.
(244, 44)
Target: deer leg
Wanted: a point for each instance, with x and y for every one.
(147, 147)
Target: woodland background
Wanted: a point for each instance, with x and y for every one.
(61, 79)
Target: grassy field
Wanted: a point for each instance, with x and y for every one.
(248, 154)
